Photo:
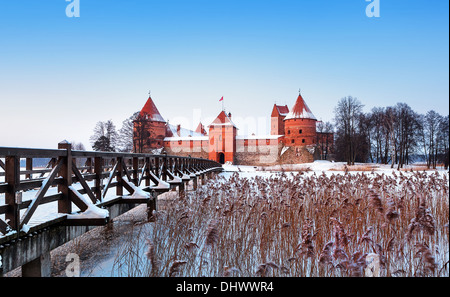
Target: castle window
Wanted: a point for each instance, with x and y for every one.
(289, 131)
(303, 141)
(180, 142)
(301, 131)
(292, 141)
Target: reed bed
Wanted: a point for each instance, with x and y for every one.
(297, 225)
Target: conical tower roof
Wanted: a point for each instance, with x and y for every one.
(151, 112)
(300, 111)
(222, 120)
(201, 129)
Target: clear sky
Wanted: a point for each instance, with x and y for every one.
(60, 75)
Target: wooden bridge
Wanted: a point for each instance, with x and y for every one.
(78, 186)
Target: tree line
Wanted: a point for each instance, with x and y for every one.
(395, 135)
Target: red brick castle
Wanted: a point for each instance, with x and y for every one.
(293, 138)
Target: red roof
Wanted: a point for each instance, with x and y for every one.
(300, 110)
(282, 110)
(151, 112)
(201, 129)
(222, 119)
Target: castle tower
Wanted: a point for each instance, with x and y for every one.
(300, 125)
(222, 139)
(279, 112)
(149, 129)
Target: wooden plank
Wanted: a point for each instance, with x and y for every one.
(143, 171)
(83, 183)
(85, 222)
(31, 153)
(77, 201)
(111, 176)
(50, 164)
(40, 194)
(29, 167)
(34, 184)
(98, 170)
(125, 170)
(4, 227)
(12, 178)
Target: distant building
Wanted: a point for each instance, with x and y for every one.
(293, 137)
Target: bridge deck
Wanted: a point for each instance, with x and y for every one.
(75, 189)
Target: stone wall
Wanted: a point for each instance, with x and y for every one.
(186, 153)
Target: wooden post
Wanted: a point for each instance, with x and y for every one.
(65, 204)
(135, 170)
(89, 165)
(40, 267)
(152, 206)
(12, 178)
(119, 187)
(157, 164)
(98, 169)
(29, 167)
(164, 169)
(147, 171)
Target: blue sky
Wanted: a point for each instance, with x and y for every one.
(60, 75)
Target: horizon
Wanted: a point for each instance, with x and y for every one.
(60, 75)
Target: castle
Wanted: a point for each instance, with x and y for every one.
(293, 138)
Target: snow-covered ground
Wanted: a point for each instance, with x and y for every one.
(319, 167)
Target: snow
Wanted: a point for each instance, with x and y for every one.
(175, 179)
(92, 212)
(303, 115)
(283, 150)
(161, 184)
(183, 132)
(316, 167)
(25, 228)
(138, 192)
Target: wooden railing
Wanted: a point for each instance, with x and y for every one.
(95, 172)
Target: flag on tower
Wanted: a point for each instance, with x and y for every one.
(221, 99)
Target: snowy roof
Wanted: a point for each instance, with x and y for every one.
(201, 129)
(282, 110)
(300, 110)
(150, 112)
(176, 132)
(222, 120)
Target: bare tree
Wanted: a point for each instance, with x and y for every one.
(443, 139)
(430, 136)
(140, 133)
(105, 137)
(125, 140)
(347, 116)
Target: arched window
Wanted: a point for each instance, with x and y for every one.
(300, 131)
